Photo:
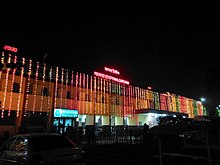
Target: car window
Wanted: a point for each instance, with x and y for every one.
(43, 143)
(8, 144)
(19, 144)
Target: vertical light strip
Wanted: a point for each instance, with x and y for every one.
(94, 96)
(87, 93)
(28, 86)
(124, 101)
(6, 86)
(104, 96)
(42, 92)
(71, 89)
(61, 90)
(110, 99)
(56, 87)
(141, 98)
(129, 101)
(113, 98)
(98, 95)
(67, 78)
(134, 100)
(21, 86)
(91, 94)
(101, 98)
(35, 88)
(145, 98)
(76, 97)
(118, 99)
(49, 91)
(2, 62)
(80, 99)
(12, 84)
(83, 93)
(107, 97)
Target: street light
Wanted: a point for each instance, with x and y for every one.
(203, 99)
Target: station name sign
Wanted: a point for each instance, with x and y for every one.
(111, 78)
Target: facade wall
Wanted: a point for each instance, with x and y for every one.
(41, 90)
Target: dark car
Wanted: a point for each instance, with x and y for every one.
(40, 149)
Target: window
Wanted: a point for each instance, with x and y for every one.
(19, 145)
(58, 92)
(68, 95)
(16, 87)
(77, 95)
(45, 92)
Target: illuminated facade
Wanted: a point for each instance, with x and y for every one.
(42, 97)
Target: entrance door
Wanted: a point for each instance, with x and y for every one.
(60, 124)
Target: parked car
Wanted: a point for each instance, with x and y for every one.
(40, 149)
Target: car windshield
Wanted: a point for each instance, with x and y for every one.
(42, 143)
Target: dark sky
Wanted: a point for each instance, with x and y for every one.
(175, 53)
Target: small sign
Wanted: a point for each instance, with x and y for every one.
(66, 113)
(10, 48)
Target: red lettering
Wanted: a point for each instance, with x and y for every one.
(10, 48)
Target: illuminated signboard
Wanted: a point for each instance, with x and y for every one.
(10, 48)
(65, 113)
(112, 71)
(111, 78)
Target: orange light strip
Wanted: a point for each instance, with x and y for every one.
(21, 86)
(6, 86)
(28, 85)
(49, 90)
(12, 84)
(71, 87)
(43, 85)
(66, 87)
(35, 88)
(61, 90)
(56, 86)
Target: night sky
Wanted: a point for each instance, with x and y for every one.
(175, 53)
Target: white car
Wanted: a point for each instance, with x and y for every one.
(40, 149)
